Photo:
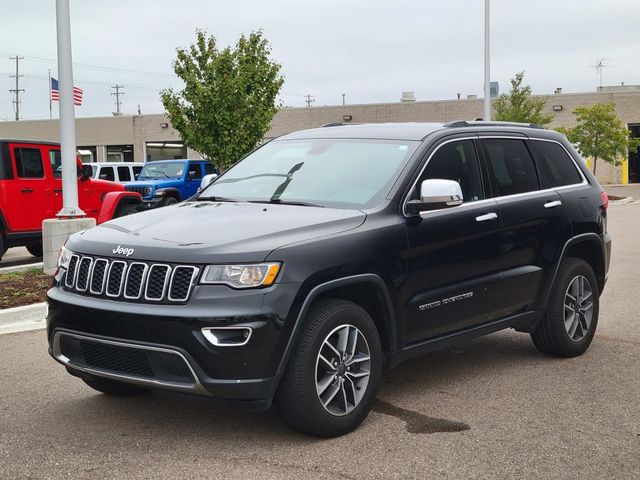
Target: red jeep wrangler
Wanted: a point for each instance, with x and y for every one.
(31, 190)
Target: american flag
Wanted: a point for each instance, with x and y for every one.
(55, 93)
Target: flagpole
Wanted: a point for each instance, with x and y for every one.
(50, 102)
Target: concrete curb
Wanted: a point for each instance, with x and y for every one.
(622, 201)
(22, 319)
(20, 268)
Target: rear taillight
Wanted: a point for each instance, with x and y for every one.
(605, 199)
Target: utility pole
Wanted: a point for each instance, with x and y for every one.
(310, 99)
(117, 94)
(16, 91)
(139, 111)
(487, 64)
(343, 97)
(599, 67)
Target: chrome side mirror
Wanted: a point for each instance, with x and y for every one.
(207, 180)
(436, 193)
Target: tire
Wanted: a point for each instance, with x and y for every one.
(3, 249)
(112, 387)
(35, 249)
(553, 335)
(297, 398)
(127, 209)
(168, 201)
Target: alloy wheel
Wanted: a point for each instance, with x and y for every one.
(578, 308)
(343, 368)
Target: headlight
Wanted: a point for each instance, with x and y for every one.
(64, 257)
(242, 276)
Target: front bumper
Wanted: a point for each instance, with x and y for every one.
(93, 336)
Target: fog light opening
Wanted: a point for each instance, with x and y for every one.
(227, 336)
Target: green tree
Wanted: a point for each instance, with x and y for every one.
(599, 133)
(228, 99)
(519, 106)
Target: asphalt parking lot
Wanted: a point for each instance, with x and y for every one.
(493, 408)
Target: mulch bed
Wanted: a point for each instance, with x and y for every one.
(23, 288)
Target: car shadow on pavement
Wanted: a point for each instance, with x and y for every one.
(192, 418)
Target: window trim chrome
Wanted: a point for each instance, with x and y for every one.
(124, 274)
(194, 275)
(164, 287)
(142, 281)
(475, 136)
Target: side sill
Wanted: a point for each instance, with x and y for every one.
(520, 321)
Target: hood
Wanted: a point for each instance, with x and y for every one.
(104, 185)
(212, 232)
(155, 183)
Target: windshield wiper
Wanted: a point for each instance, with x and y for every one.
(215, 199)
(278, 201)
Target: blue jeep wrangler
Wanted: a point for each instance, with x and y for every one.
(167, 182)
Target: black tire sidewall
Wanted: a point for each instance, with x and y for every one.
(169, 201)
(570, 270)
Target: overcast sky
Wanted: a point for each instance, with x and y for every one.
(371, 50)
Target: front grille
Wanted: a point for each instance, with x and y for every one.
(131, 361)
(140, 190)
(133, 280)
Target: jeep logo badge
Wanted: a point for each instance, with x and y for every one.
(120, 250)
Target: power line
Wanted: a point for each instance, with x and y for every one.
(117, 94)
(99, 67)
(16, 91)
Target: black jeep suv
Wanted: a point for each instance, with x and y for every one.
(328, 254)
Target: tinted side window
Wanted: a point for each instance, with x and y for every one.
(137, 170)
(195, 170)
(124, 175)
(55, 157)
(511, 168)
(554, 164)
(106, 173)
(208, 169)
(29, 163)
(455, 161)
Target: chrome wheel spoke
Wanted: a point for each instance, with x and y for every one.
(323, 384)
(327, 363)
(358, 359)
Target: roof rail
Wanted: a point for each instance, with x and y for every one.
(482, 123)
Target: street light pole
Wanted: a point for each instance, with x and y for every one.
(487, 64)
(70, 206)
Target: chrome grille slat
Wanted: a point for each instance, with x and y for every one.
(98, 276)
(72, 270)
(130, 280)
(181, 282)
(135, 280)
(157, 284)
(83, 275)
(115, 278)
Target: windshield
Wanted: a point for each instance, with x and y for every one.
(341, 173)
(162, 170)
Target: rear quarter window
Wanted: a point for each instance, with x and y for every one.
(555, 167)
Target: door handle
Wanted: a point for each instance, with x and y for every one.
(27, 190)
(555, 203)
(486, 217)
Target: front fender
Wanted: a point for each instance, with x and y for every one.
(111, 202)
